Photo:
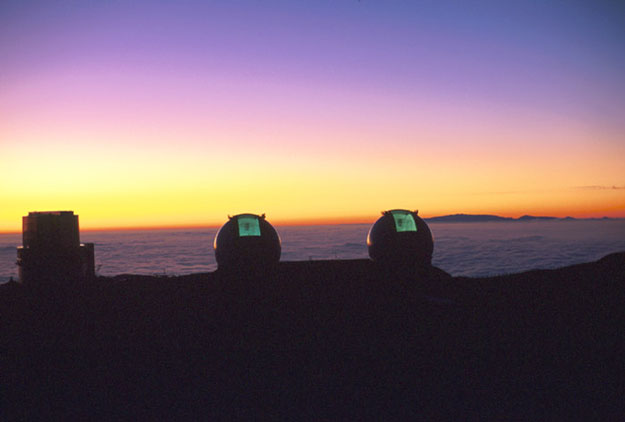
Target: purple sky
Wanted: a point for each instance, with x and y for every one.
(510, 89)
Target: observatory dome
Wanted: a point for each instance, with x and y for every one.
(247, 240)
(400, 237)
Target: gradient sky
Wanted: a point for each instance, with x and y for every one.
(149, 113)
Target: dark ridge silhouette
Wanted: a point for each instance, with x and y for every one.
(467, 218)
(532, 217)
(342, 340)
(486, 218)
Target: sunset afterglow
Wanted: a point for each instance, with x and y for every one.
(144, 114)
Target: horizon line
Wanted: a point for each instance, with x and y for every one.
(290, 223)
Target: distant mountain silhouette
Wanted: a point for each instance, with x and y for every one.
(467, 218)
(485, 218)
(532, 217)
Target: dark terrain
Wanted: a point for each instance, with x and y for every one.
(319, 340)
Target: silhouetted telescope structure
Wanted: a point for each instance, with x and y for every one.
(51, 251)
(247, 241)
(400, 238)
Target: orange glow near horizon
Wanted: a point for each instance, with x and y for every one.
(167, 188)
(180, 116)
(96, 220)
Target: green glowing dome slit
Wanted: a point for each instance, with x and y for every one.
(248, 225)
(404, 221)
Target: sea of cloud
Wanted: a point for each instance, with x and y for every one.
(462, 249)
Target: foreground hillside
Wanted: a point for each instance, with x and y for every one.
(323, 340)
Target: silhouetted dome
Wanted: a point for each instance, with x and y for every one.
(247, 240)
(400, 237)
